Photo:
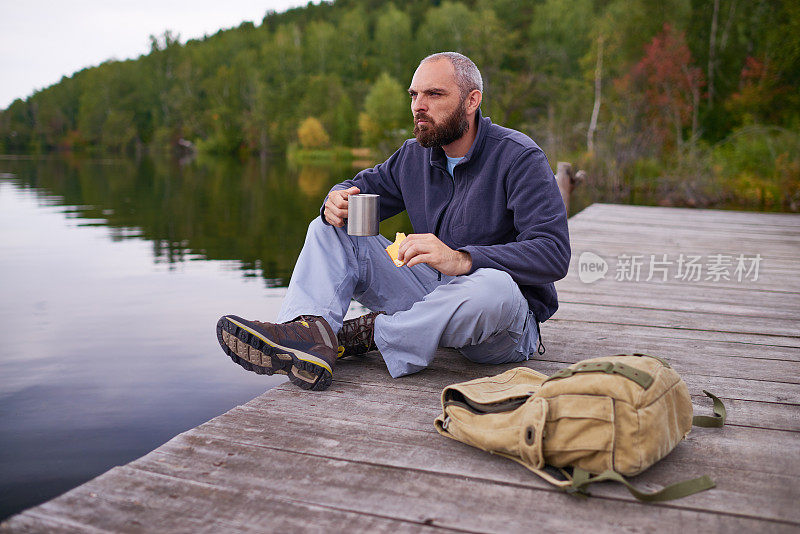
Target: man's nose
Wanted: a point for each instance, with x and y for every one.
(418, 105)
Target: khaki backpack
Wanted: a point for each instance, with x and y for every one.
(604, 418)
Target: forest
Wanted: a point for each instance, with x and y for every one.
(696, 100)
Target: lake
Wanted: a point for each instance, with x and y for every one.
(113, 275)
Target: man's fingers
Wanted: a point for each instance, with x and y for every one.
(405, 244)
(334, 220)
(350, 191)
(334, 215)
(419, 258)
(339, 198)
(403, 250)
(340, 212)
(411, 250)
(336, 205)
(420, 242)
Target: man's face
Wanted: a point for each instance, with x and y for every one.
(440, 116)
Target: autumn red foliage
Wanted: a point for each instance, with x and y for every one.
(670, 85)
(759, 92)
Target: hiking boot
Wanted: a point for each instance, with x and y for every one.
(303, 349)
(357, 336)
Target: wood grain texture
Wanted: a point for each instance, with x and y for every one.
(364, 456)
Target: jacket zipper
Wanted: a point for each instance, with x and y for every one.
(440, 218)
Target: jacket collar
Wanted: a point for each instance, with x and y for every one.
(439, 159)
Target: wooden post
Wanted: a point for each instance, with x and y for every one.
(567, 179)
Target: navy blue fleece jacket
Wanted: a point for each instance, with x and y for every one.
(502, 205)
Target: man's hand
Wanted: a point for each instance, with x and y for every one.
(427, 248)
(336, 205)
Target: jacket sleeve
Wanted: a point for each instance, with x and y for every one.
(379, 180)
(541, 252)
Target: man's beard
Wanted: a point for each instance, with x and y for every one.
(452, 128)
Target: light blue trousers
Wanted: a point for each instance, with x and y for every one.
(483, 314)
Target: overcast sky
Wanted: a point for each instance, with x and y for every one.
(41, 41)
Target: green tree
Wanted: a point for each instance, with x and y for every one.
(119, 132)
(351, 53)
(446, 27)
(560, 34)
(383, 123)
(393, 41)
(319, 45)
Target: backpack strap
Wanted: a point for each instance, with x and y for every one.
(631, 373)
(712, 421)
(582, 478)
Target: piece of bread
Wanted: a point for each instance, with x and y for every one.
(393, 249)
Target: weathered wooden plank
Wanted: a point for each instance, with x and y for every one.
(163, 503)
(729, 303)
(667, 216)
(775, 253)
(448, 367)
(772, 330)
(687, 232)
(730, 231)
(741, 412)
(713, 227)
(681, 217)
(774, 415)
(459, 501)
(771, 281)
(37, 521)
(772, 268)
(673, 344)
(386, 443)
(746, 447)
(602, 327)
(714, 241)
(677, 215)
(616, 241)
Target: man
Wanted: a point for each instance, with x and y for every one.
(490, 239)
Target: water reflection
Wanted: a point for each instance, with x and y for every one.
(254, 212)
(112, 276)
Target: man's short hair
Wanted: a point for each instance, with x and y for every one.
(468, 77)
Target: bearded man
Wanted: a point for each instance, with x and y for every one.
(490, 239)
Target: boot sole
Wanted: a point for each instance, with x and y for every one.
(255, 352)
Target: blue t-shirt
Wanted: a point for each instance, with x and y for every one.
(451, 163)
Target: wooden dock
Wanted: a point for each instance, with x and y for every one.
(364, 455)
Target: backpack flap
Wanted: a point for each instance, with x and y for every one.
(492, 393)
(494, 414)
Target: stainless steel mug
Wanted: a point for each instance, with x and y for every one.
(362, 214)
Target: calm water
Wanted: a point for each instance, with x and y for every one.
(112, 276)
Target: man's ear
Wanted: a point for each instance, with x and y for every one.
(474, 101)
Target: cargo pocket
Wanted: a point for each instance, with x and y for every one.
(580, 432)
